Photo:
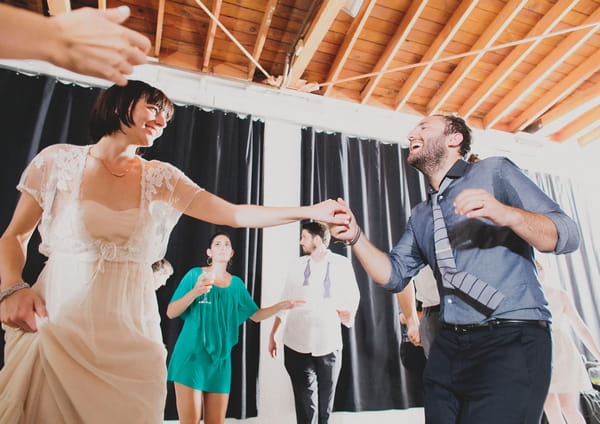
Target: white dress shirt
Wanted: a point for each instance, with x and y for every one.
(426, 286)
(315, 327)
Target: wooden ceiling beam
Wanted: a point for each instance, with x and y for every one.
(485, 41)
(160, 19)
(210, 36)
(435, 51)
(406, 25)
(348, 44)
(593, 135)
(56, 7)
(516, 56)
(558, 92)
(318, 28)
(585, 99)
(581, 125)
(542, 70)
(261, 37)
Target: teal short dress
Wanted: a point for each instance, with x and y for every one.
(201, 358)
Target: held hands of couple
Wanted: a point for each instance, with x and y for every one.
(346, 230)
(19, 310)
(332, 212)
(93, 42)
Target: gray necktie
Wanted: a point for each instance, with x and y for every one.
(485, 297)
(326, 280)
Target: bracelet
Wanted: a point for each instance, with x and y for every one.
(11, 290)
(355, 239)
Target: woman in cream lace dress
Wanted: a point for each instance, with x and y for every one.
(569, 376)
(83, 345)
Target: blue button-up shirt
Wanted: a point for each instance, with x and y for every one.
(495, 254)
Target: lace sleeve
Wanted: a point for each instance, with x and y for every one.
(37, 178)
(168, 184)
(167, 191)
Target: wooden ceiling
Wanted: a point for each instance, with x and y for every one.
(510, 65)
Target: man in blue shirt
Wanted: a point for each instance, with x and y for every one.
(488, 364)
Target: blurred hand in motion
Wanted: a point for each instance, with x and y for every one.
(93, 42)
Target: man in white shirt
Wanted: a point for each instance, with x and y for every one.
(312, 333)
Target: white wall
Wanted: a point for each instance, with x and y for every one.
(284, 112)
(280, 245)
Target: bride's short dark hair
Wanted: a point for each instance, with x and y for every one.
(115, 104)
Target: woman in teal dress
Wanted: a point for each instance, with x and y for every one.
(213, 304)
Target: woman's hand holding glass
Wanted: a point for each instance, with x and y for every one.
(203, 286)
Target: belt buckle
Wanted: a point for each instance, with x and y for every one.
(458, 328)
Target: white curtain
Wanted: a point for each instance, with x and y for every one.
(577, 272)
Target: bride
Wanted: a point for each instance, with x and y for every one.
(83, 345)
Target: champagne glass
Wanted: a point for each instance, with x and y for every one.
(595, 375)
(210, 277)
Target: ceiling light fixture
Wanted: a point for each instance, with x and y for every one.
(352, 7)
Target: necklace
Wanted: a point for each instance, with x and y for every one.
(116, 174)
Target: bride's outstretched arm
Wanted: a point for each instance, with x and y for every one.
(211, 208)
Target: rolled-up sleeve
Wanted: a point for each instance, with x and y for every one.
(406, 260)
(523, 193)
(568, 232)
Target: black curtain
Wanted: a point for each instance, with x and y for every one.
(372, 177)
(220, 151)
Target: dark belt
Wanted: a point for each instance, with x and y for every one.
(434, 308)
(495, 323)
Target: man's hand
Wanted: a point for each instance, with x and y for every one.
(345, 317)
(477, 203)
(273, 346)
(536, 229)
(412, 329)
(413, 332)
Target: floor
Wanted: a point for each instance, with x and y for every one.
(408, 416)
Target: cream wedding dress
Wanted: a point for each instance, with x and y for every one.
(99, 356)
(568, 369)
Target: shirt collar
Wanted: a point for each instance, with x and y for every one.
(327, 254)
(456, 171)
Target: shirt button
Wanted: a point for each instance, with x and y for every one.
(449, 300)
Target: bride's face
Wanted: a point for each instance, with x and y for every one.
(149, 120)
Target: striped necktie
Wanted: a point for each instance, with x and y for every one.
(485, 297)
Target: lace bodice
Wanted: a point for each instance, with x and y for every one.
(54, 179)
